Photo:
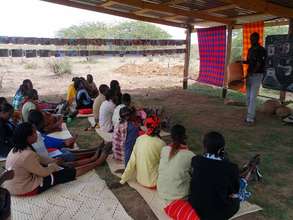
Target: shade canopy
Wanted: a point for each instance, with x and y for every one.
(184, 13)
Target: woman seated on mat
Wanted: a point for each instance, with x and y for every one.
(126, 101)
(37, 119)
(83, 100)
(6, 129)
(45, 142)
(52, 123)
(145, 156)
(103, 89)
(93, 90)
(33, 174)
(175, 167)
(72, 90)
(19, 96)
(106, 112)
(115, 87)
(215, 181)
(30, 103)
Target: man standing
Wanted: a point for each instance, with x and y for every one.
(256, 68)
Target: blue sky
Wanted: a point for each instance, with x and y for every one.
(35, 18)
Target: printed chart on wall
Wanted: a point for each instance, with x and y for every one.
(279, 71)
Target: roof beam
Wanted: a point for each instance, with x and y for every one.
(100, 9)
(263, 6)
(175, 11)
(172, 2)
(220, 8)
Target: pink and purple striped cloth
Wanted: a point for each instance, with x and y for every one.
(212, 51)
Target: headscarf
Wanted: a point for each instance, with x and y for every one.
(152, 123)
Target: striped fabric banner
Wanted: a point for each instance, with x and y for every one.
(249, 29)
(212, 52)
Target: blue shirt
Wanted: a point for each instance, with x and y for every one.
(17, 100)
(132, 134)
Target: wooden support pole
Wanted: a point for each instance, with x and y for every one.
(290, 33)
(187, 57)
(227, 60)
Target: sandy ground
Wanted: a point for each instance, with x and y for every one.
(132, 72)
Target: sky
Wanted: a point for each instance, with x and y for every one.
(35, 18)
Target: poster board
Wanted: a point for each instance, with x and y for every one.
(279, 64)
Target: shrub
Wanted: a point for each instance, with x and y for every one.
(30, 66)
(1, 80)
(61, 67)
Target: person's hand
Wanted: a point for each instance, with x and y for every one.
(233, 196)
(59, 161)
(69, 142)
(7, 175)
(53, 166)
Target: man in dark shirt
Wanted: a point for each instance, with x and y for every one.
(256, 68)
(214, 182)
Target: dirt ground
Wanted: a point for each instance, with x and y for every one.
(132, 72)
(201, 113)
(198, 112)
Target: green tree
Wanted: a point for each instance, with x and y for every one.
(124, 30)
(85, 30)
(237, 40)
(138, 30)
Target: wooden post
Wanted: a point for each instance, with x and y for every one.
(187, 57)
(290, 33)
(227, 60)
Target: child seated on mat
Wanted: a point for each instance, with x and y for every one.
(103, 89)
(6, 129)
(125, 134)
(119, 134)
(215, 181)
(32, 173)
(145, 156)
(106, 112)
(133, 129)
(126, 101)
(175, 167)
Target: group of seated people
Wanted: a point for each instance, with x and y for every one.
(209, 183)
(37, 159)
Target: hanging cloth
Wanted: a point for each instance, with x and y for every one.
(212, 52)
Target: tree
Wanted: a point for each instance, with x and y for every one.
(138, 30)
(124, 30)
(85, 30)
(237, 40)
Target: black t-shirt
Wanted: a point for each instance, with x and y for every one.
(256, 55)
(211, 184)
(6, 132)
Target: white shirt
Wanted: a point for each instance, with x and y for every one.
(40, 147)
(105, 117)
(116, 114)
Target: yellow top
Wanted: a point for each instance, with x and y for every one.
(71, 93)
(144, 159)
